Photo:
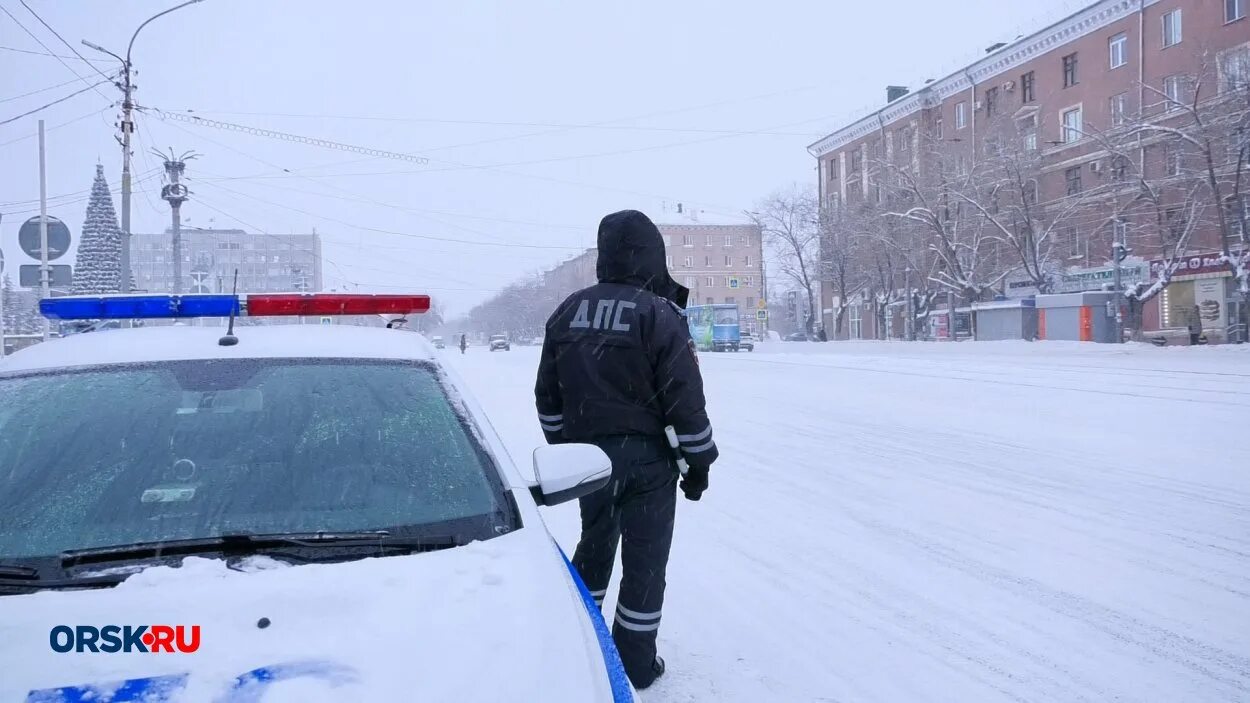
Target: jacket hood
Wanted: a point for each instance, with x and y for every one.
(631, 250)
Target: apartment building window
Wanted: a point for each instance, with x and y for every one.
(750, 303)
(729, 260)
(904, 143)
(991, 101)
(1118, 105)
(1030, 141)
(1073, 125)
(857, 161)
(1119, 168)
(937, 128)
(729, 300)
(749, 282)
(727, 279)
(1173, 88)
(707, 262)
(668, 261)
(711, 281)
(1176, 224)
(1119, 50)
(1069, 70)
(709, 241)
(961, 115)
(1172, 28)
(690, 281)
(689, 262)
(1235, 69)
(831, 167)
(1030, 192)
(1026, 87)
(729, 240)
(744, 240)
(1072, 177)
(1173, 159)
(687, 241)
(1073, 239)
(746, 261)
(1234, 10)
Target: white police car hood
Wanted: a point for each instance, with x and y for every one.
(494, 620)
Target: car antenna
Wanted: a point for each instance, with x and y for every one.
(229, 340)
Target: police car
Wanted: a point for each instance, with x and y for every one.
(281, 513)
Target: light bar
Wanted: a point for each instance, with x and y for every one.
(335, 304)
(135, 307)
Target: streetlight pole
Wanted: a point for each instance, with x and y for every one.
(910, 327)
(128, 128)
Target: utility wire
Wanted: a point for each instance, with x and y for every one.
(80, 118)
(36, 92)
(67, 44)
(45, 48)
(44, 53)
(54, 102)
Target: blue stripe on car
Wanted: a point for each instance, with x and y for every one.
(622, 692)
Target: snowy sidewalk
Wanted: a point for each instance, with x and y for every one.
(964, 522)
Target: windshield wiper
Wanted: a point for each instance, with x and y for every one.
(16, 576)
(246, 544)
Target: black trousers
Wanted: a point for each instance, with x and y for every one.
(637, 508)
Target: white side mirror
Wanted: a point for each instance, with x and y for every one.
(568, 471)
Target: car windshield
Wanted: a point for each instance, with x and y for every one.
(180, 450)
(726, 316)
(498, 338)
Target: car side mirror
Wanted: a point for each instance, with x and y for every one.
(568, 471)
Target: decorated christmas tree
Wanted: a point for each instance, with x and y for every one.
(97, 268)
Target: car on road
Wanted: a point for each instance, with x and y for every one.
(320, 510)
(746, 341)
(797, 337)
(499, 342)
(439, 343)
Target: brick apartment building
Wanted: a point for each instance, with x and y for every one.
(1058, 97)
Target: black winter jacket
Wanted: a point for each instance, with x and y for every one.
(617, 357)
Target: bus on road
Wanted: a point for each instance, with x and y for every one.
(714, 327)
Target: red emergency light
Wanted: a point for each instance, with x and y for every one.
(335, 304)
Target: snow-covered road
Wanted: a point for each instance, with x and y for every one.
(973, 522)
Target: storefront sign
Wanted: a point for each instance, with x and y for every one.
(1209, 297)
(1081, 280)
(1196, 265)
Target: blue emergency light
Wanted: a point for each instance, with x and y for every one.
(141, 307)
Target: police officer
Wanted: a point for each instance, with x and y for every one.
(617, 367)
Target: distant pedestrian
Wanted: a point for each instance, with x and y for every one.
(823, 336)
(1195, 325)
(464, 342)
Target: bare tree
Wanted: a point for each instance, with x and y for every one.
(790, 222)
(843, 235)
(938, 201)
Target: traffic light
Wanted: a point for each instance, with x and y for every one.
(1120, 252)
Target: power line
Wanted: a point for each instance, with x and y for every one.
(36, 92)
(606, 126)
(32, 135)
(67, 44)
(45, 48)
(285, 136)
(390, 232)
(54, 102)
(44, 53)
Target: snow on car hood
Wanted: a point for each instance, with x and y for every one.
(495, 620)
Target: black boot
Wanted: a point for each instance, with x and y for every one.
(657, 670)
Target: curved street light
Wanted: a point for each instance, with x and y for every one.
(127, 128)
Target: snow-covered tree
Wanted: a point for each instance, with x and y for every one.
(21, 313)
(98, 265)
(790, 222)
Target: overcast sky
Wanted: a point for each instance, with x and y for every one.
(537, 117)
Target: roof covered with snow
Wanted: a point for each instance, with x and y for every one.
(184, 342)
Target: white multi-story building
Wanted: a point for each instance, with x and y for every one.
(265, 262)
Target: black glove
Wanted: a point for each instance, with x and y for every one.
(694, 482)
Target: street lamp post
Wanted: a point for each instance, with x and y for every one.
(909, 329)
(128, 128)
